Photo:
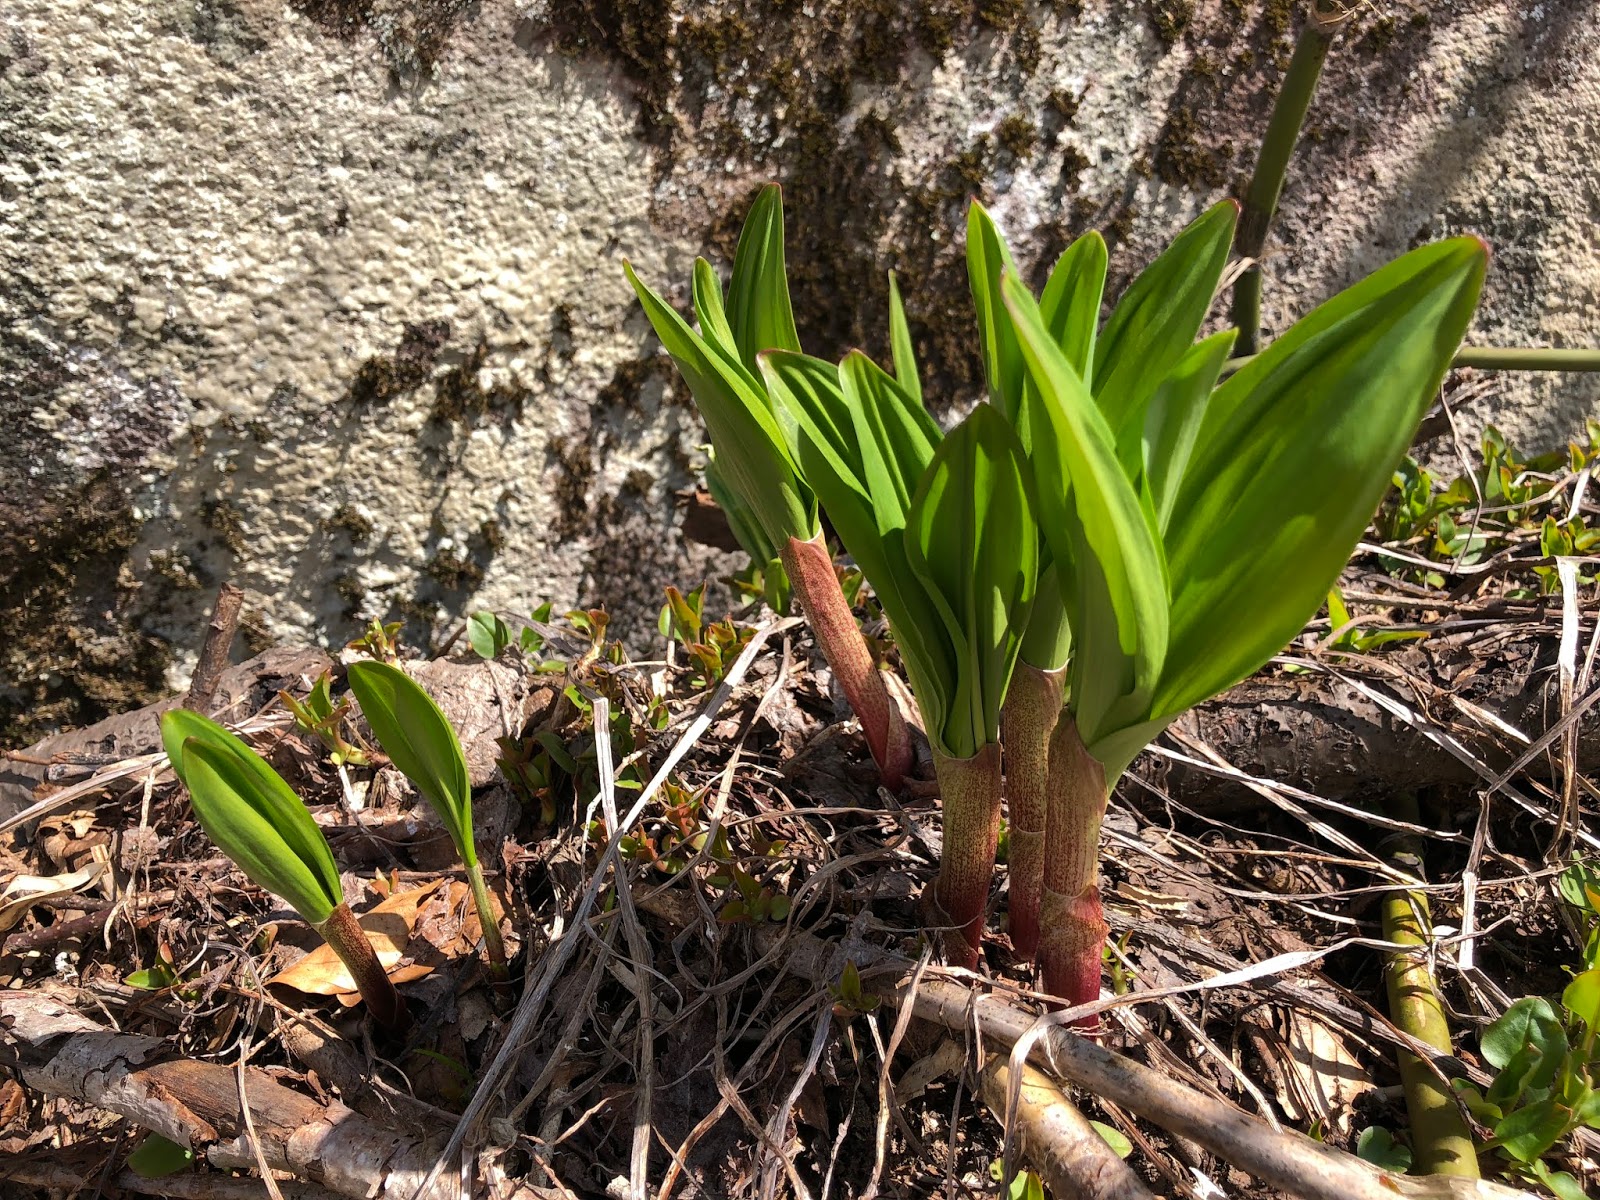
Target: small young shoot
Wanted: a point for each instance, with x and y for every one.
(256, 819)
(420, 742)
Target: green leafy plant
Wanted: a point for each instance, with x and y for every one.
(1545, 1086)
(420, 742)
(488, 634)
(945, 533)
(1347, 633)
(319, 714)
(156, 1157)
(849, 997)
(380, 641)
(763, 491)
(256, 819)
(1194, 529)
(712, 646)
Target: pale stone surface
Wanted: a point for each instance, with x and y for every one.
(328, 296)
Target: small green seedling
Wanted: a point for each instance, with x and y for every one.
(380, 641)
(256, 819)
(713, 647)
(849, 997)
(1348, 635)
(418, 739)
(318, 714)
(488, 634)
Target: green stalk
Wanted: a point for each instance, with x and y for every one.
(349, 941)
(816, 587)
(969, 790)
(493, 944)
(1073, 931)
(1441, 1142)
(1027, 719)
(1496, 358)
(1493, 358)
(1266, 184)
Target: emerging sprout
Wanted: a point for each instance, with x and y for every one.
(256, 819)
(418, 739)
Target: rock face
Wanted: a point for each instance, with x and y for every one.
(327, 297)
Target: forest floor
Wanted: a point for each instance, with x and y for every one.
(681, 1012)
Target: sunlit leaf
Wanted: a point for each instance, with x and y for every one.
(420, 742)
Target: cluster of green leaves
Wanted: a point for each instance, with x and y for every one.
(318, 714)
(490, 636)
(712, 646)
(380, 641)
(754, 476)
(1547, 1063)
(942, 527)
(1449, 523)
(1194, 527)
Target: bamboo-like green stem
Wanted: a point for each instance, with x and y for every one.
(1441, 1142)
(1028, 718)
(348, 940)
(816, 587)
(1072, 931)
(1266, 183)
(493, 944)
(969, 791)
(1496, 358)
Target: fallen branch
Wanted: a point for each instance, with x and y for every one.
(1288, 1161)
(59, 1052)
(1071, 1158)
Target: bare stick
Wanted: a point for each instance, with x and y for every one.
(1071, 1158)
(214, 650)
(59, 1052)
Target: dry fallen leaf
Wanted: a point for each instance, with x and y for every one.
(388, 928)
(24, 891)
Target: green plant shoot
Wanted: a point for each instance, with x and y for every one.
(420, 742)
(256, 819)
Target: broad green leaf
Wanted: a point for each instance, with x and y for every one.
(1528, 1022)
(1070, 302)
(1292, 457)
(758, 294)
(987, 259)
(1155, 323)
(747, 530)
(1097, 530)
(896, 436)
(750, 448)
(1529, 1132)
(972, 539)
(257, 786)
(1376, 1145)
(418, 739)
(1113, 1137)
(1172, 421)
(156, 1157)
(1582, 996)
(1047, 642)
(488, 634)
(1564, 1185)
(258, 825)
(904, 354)
(829, 445)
